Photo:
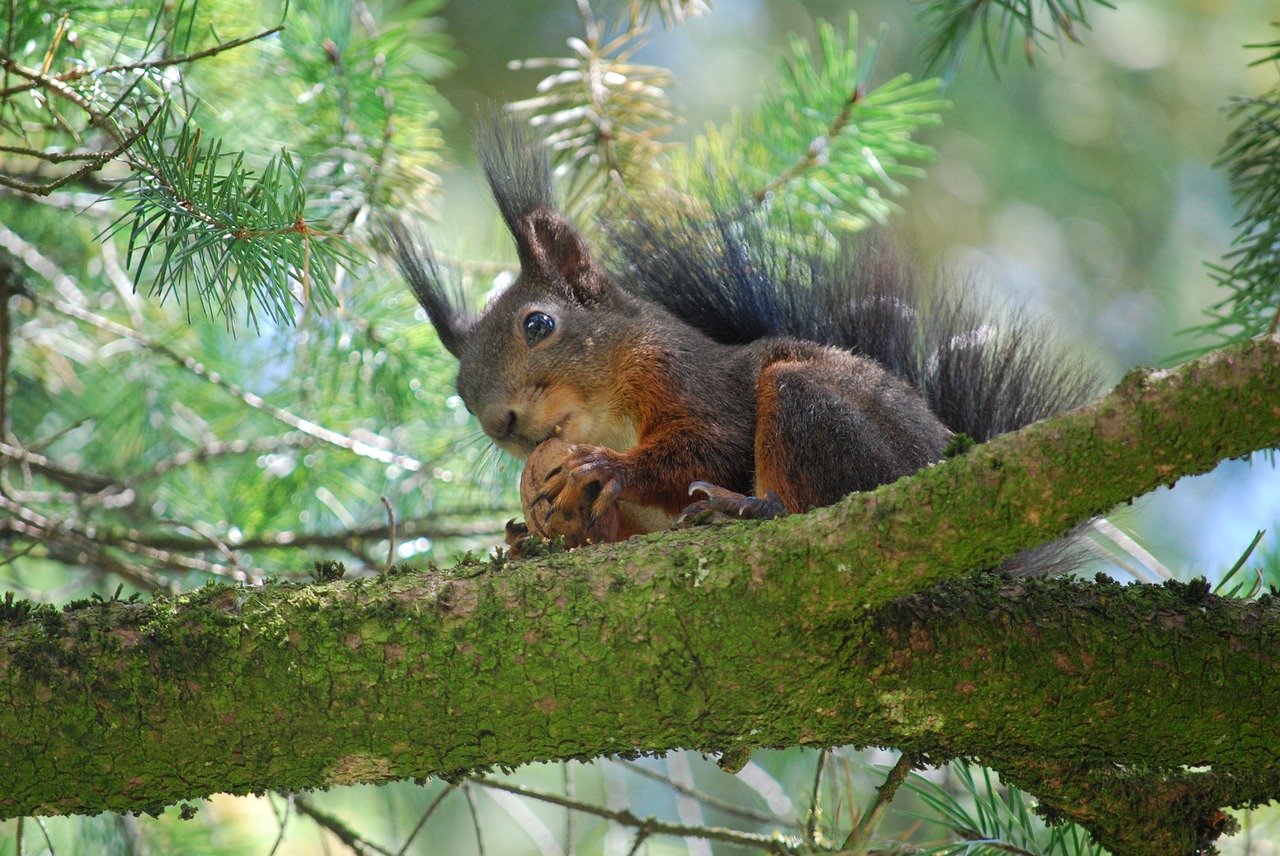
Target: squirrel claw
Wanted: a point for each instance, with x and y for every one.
(722, 504)
(517, 538)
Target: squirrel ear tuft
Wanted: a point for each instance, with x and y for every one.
(551, 248)
(445, 307)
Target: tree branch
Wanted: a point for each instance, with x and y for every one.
(858, 624)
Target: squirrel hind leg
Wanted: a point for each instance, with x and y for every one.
(832, 423)
(723, 504)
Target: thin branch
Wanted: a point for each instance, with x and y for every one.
(96, 117)
(624, 817)
(642, 835)
(470, 794)
(88, 540)
(817, 149)
(282, 820)
(350, 539)
(701, 796)
(357, 843)
(426, 815)
(391, 534)
(82, 548)
(93, 164)
(76, 481)
(811, 822)
(82, 71)
(860, 836)
(7, 273)
(219, 448)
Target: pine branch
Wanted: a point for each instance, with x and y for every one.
(601, 114)
(1251, 269)
(999, 25)
(369, 126)
(225, 231)
(830, 150)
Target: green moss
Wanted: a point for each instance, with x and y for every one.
(328, 570)
(959, 444)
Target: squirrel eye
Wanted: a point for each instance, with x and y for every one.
(538, 326)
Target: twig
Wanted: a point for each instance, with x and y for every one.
(76, 481)
(6, 275)
(768, 843)
(475, 815)
(282, 820)
(82, 71)
(817, 149)
(391, 534)
(811, 822)
(570, 790)
(642, 835)
(85, 549)
(218, 448)
(348, 836)
(41, 265)
(704, 798)
(426, 815)
(859, 836)
(350, 539)
(93, 163)
(13, 557)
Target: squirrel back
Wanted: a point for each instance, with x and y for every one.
(738, 277)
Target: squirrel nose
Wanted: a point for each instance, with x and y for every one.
(499, 421)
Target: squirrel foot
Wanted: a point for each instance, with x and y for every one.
(722, 504)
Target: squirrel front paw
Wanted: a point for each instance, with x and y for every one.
(568, 491)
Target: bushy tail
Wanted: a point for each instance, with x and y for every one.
(738, 277)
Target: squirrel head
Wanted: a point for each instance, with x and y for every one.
(536, 364)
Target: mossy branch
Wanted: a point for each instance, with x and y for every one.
(859, 624)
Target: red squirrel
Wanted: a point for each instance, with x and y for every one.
(708, 356)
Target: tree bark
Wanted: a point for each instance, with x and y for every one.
(864, 623)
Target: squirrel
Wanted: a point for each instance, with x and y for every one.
(712, 356)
